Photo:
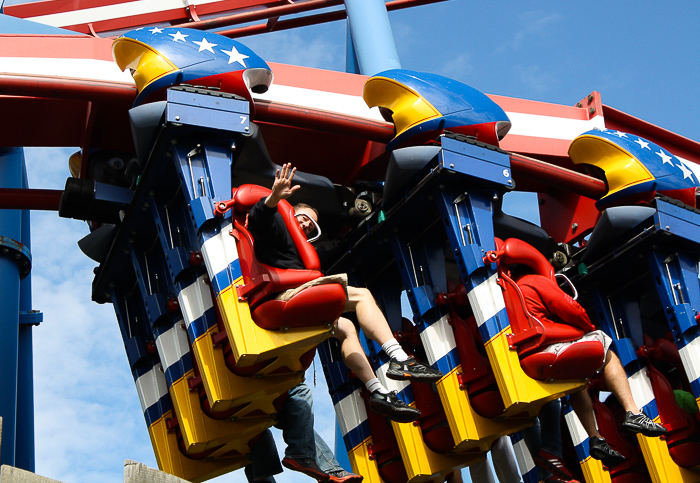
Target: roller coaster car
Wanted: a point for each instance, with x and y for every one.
(531, 335)
(683, 428)
(314, 306)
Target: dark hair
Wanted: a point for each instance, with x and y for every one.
(304, 205)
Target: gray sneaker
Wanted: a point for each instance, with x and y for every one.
(601, 450)
(412, 370)
(391, 406)
(640, 423)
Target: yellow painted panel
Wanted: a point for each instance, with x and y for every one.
(421, 463)
(171, 460)
(661, 467)
(226, 390)
(521, 393)
(593, 471)
(200, 432)
(470, 430)
(362, 464)
(252, 344)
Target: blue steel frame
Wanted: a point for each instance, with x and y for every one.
(16, 321)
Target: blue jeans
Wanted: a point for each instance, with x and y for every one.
(296, 420)
(546, 433)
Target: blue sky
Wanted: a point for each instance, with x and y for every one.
(644, 58)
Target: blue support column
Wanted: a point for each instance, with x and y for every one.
(24, 455)
(11, 161)
(371, 35)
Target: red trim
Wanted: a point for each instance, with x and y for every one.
(29, 199)
(562, 178)
(675, 143)
(66, 88)
(324, 121)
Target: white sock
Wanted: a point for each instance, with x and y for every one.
(394, 350)
(374, 385)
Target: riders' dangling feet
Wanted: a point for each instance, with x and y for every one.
(389, 405)
(640, 423)
(412, 369)
(601, 450)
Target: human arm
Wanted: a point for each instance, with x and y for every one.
(282, 187)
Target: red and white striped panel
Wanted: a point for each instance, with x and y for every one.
(538, 128)
(56, 56)
(113, 15)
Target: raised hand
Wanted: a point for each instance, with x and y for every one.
(282, 187)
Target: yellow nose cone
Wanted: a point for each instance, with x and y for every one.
(622, 169)
(408, 106)
(146, 64)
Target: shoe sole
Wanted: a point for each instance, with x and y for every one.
(316, 475)
(552, 468)
(346, 479)
(405, 376)
(395, 415)
(606, 459)
(633, 428)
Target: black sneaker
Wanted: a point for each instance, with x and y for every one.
(342, 476)
(640, 423)
(307, 466)
(413, 370)
(601, 450)
(391, 406)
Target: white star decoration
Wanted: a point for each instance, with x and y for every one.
(664, 157)
(156, 30)
(620, 134)
(204, 44)
(687, 173)
(235, 56)
(178, 36)
(643, 144)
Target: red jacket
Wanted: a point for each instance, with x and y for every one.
(546, 301)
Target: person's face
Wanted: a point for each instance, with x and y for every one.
(304, 217)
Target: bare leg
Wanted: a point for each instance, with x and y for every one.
(582, 405)
(353, 355)
(371, 319)
(616, 380)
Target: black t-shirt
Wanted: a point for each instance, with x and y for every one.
(273, 243)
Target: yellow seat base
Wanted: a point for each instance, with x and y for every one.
(470, 430)
(662, 468)
(251, 344)
(225, 389)
(362, 464)
(171, 460)
(201, 433)
(421, 463)
(522, 395)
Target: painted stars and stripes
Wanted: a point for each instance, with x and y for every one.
(160, 57)
(635, 168)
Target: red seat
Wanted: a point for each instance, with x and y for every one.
(609, 418)
(318, 305)
(531, 335)
(683, 428)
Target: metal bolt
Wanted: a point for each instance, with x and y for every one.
(177, 118)
(591, 110)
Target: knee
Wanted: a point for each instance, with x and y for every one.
(343, 329)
